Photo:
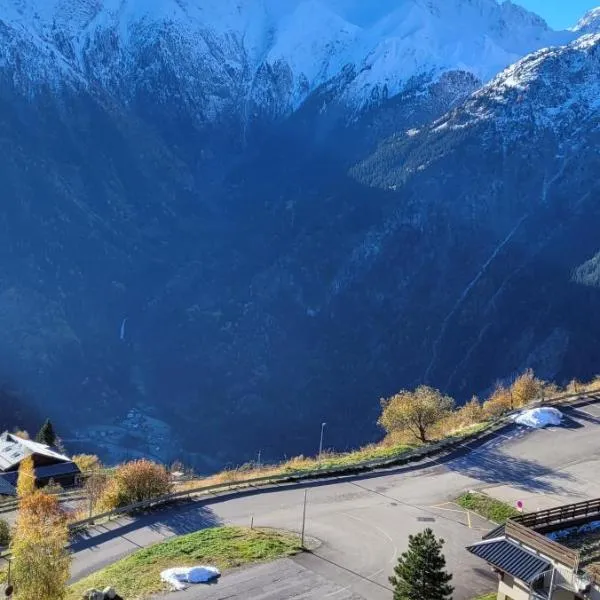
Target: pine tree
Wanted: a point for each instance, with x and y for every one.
(420, 573)
(46, 434)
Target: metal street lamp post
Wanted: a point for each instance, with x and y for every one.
(321, 442)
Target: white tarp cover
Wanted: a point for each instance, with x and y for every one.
(178, 577)
(537, 418)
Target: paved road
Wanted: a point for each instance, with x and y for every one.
(285, 579)
(364, 521)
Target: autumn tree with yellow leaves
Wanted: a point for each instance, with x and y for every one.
(87, 462)
(525, 389)
(133, 482)
(41, 561)
(26, 478)
(415, 411)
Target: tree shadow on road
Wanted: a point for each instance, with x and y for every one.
(172, 521)
(493, 466)
(186, 518)
(574, 413)
(569, 421)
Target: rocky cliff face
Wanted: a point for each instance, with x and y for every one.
(210, 250)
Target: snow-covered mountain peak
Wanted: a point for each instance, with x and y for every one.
(221, 49)
(553, 89)
(590, 23)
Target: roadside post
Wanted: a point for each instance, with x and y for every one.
(8, 592)
(303, 519)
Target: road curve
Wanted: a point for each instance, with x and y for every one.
(364, 521)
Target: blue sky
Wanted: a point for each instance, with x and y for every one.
(560, 14)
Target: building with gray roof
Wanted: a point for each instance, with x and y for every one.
(49, 464)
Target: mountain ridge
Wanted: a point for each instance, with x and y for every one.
(283, 255)
(306, 41)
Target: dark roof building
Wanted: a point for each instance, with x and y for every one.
(6, 489)
(48, 463)
(509, 557)
(549, 555)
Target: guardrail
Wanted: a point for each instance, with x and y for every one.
(566, 396)
(294, 476)
(10, 505)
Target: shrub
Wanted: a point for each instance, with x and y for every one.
(498, 404)
(574, 387)
(489, 508)
(472, 411)
(525, 389)
(550, 389)
(87, 462)
(53, 487)
(594, 385)
(469, 414)
(4, 533)
(133, 482)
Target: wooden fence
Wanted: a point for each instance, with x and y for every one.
(570, 514)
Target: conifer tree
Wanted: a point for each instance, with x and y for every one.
(46, 434)
(420, 573)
